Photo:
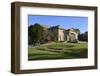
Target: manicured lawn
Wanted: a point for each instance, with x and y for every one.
(58, 50)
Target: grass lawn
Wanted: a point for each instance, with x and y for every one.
(58, 50)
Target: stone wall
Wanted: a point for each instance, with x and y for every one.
(61, 35)
(72, 35)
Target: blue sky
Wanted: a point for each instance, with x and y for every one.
(65, 22)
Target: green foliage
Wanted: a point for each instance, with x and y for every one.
(35, 32)
(52, 35)
(83, 36)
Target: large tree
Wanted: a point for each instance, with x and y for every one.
(83, 36)
(35, 33)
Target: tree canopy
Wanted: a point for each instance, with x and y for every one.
(83, 36)
(35, 32)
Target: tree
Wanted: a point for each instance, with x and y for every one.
(52, 35)
(83, 36)
(86, 36)
(36, 33)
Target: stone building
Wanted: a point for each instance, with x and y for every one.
(61, 35)
(70, 35)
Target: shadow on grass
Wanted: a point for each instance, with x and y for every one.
(63, 55)
(78, 53)
(50, 57)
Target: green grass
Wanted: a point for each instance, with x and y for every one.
(59, 50)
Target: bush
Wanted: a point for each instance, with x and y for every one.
(61, 41)
(74, 41)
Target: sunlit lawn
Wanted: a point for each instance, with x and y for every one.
(58, 50)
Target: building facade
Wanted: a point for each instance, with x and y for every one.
(70, 35)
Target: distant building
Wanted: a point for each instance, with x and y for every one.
(70, 35)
